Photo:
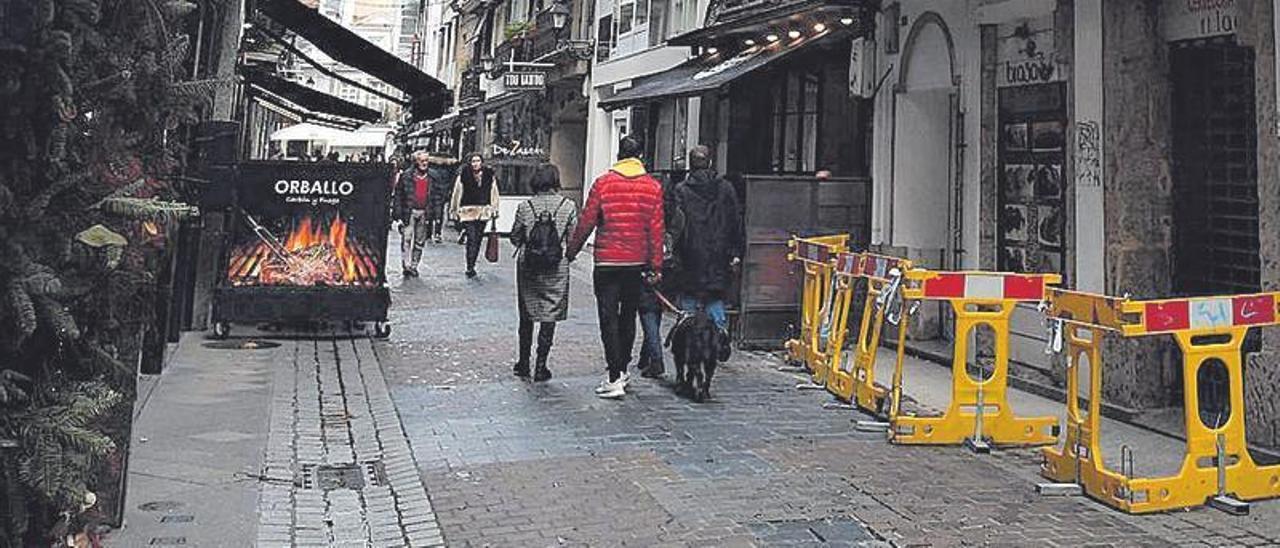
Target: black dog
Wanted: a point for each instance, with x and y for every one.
(698, 343)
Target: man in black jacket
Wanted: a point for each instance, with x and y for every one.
(712, 243)
(413, 204)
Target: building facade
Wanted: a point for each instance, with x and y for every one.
(1129, 146)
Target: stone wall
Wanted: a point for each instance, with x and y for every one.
(1138, 194)
(1262, 371)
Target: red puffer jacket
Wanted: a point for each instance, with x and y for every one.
(625, 204)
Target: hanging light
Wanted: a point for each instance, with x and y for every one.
(560, 13)
(819, 27)
(846, 21)
(713, 51)
(793, 34)
(771, 38)
(749, 42)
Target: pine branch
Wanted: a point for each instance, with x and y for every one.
(55, 317)
(23, 311)
(149, 209)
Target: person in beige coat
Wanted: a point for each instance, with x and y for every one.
(474, 204)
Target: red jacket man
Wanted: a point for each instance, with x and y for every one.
(624, 208)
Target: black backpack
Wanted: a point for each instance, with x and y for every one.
(544, 247)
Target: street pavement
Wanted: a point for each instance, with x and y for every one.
(426, 439)
(512, 463)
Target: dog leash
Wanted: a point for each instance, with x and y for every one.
(667, 303)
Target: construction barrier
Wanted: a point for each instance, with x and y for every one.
(817, 304)
(853, 375)
(1217, 467)
(979, 412)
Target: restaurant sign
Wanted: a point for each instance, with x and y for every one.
(524, 80)
(1196, 19)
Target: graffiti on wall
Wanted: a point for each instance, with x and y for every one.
(1088, 154)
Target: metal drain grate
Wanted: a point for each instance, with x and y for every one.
(177, 518)
(168, 541)
(340, 477)
(376, 473)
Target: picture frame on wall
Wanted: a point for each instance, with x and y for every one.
(1048, 136)
(1049, 226)
(1016, 137)
(1046, 181)
(1015, 223)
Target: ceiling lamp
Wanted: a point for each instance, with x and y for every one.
(793, 34)
(846, 21)
(749, 42)
(712, 51)
(771, 38)
(819, 27)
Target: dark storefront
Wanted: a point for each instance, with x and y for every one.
(774, 101)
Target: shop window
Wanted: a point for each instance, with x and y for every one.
(666, 137)
(605, 38)
(796, 104)
(1032, 145)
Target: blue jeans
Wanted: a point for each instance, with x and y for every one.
(714, 308)
(651, 348)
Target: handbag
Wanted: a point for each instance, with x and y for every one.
(491, 247)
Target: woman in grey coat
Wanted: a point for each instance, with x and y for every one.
(542, 289)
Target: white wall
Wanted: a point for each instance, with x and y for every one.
(907, 208)
(1090, 239)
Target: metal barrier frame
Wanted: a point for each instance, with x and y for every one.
(857, 385)
(1217, 467)
(979, 412)
(817, 256)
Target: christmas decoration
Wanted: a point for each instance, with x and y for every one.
(91, 94)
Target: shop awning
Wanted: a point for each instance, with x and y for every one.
(755, 20)
(310, 99)
(427, 95)
(710, 71)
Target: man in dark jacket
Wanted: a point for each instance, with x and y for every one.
(625, 205)
(413, 202)
(713, 241)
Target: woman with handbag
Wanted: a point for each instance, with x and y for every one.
(541, 226)
(475, 204)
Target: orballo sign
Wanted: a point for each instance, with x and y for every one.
(1192, 19)
(301, 191)
(1028, 54)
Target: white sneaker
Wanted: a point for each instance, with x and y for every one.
(611, 390)
(624, 380)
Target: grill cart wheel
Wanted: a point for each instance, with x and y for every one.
(382, 330)
(221, 330)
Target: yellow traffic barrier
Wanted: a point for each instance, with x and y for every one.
(816, 255)
(853, 374)
(1217, 468)
(979, 412)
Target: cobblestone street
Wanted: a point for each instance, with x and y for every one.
(509, 463)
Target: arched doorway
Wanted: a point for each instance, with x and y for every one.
(924, 196)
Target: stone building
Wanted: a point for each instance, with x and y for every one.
(1130, 146)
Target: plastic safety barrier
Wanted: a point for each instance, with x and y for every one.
(979, 412)
(1210, 331)
(853, 375)
(817, 255)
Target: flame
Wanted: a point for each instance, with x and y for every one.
(309, 237)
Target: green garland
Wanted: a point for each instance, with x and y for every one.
(91, 92)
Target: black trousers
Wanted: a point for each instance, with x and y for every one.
(546, 335)
(475, 238)
(618, 294)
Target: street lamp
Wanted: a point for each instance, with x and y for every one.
(486, 64)
(560, 15)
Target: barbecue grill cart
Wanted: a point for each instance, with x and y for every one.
(309, 244)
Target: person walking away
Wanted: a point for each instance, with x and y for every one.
(441, 189)
(541, 226)
(624, 209)
(712, 244)
(412, 200)
(651, 309)
(474, 203)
